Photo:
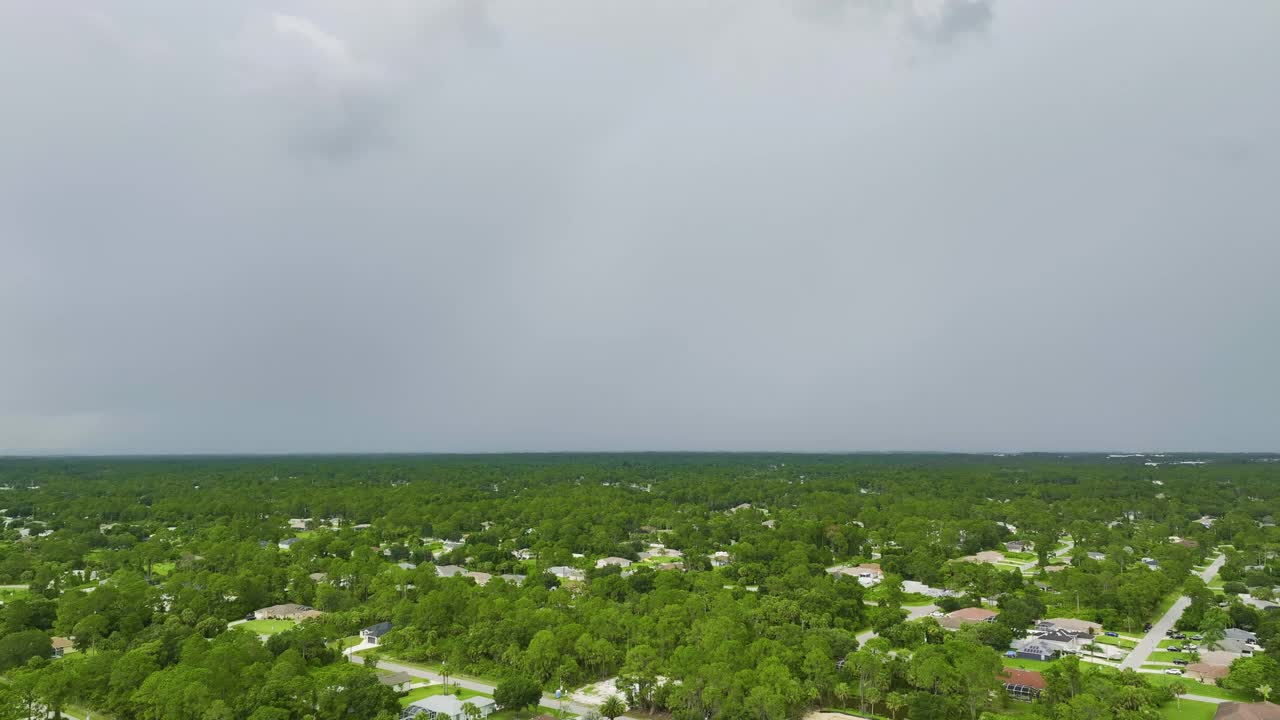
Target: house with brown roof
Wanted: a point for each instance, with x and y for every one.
(62, 645)
(1207, 673)
(1247, 711)
(956, 619)
(1025, 685)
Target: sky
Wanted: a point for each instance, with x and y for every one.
(503, 225)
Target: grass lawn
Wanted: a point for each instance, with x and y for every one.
(1165, 603)
(1196, 688)
(1188, 710)
(428, 691)
(346, 642)
(1021, 557)
(1162, 656)
(1023, 664)
(266, 627)
(10, 594)
(1118, 642)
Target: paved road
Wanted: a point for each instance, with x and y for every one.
(433, 677)
(1149, 642)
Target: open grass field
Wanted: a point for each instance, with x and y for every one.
(1116, 641)
(1198, 688)
(1188, 710)
(267, 627)
(1023, 664)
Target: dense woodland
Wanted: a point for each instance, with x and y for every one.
(145, 562)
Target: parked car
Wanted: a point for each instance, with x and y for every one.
(1197, 637)
(250, 617)
(1172, 671)
(1180, 661)
(1190, 646)
(1146, 628)
(1112, 634)
(1174, 648)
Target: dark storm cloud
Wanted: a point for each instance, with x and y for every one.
(323, 225)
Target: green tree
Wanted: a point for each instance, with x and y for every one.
(19, 647)
(517, 693)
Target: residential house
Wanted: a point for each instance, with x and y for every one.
(1206, 673)
(287, 611)
(659, 552)
(1094, 555)
(720, 559)
(318, 577)
(1032, 649)
(286, 543)
(524, 554)
(1024, 685)
(958, 618)
(1247, 711)
(1187, 543)
(1017, 546)
(374, 633)
(612, 561)
(919, 588)
(1151, 563)
(565, 572)
(62, 645)
(481, 578)
(406, 566)
(449, 570)
(513, 578)
(1238, 647)
(1238, 634)
(986, 556)
(445, 707)
(298, 523)
(399, 682)
(1080, 628)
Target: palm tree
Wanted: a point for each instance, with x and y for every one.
(1177, 690)
(470, 710)
(842, 693)
(895, 702)
(1265, 691)
(613, 707)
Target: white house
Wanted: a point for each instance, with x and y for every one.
(615, 561)
(565, 572)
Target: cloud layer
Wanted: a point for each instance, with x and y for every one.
(316, 225)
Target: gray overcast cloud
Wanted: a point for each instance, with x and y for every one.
(456, 225)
